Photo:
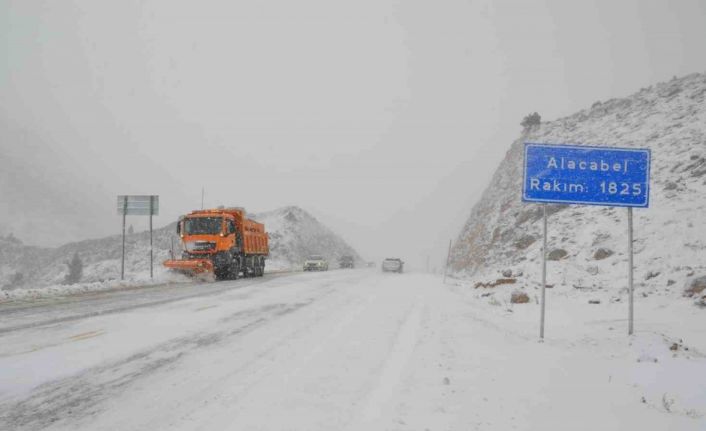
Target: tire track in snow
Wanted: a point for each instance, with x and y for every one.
(394, 367)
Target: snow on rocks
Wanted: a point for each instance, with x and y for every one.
(518, 297)
(503, 233)
(296, 234)
(695, 286)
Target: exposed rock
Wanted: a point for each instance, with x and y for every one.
(670, 186)
(524, 242)
(695, 286)
(600, 237)
(602, 253)
(651, 274)
(507, 273)
(533, 213)
(518, 297)
(495, 283)
(670, 282)
(557, 254)
(593, 270)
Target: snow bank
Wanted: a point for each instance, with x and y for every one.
(142, 279)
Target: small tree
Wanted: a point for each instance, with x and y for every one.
(75, 270)
(130, 230)
(531, 120)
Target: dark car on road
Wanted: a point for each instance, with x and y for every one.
(346, 262)
(392, 264)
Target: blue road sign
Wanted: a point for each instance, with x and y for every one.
(578, 174)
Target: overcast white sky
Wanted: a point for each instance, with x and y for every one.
(383, 118)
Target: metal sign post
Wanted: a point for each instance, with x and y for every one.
(151, 212)
(585, 175)
(137, 205)
(544, 273)
(448, 257)
(122, 264)
(631, 290)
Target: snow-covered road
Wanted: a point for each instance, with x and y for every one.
(343, 350)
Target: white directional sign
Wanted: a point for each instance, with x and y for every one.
(138, 205)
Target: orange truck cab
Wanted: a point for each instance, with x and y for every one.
(223, 241)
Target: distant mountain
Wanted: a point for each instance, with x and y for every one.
(504, 234)
(294, 234)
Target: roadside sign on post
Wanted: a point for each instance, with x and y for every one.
(571, 174)
(587, 175)
(137, 205)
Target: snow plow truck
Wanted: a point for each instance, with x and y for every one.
(222, 241)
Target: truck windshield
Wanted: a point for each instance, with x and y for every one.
(203, 225)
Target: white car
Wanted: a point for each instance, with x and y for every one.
(392, 265)
(316, 263)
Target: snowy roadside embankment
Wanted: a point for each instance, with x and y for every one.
(663, 363)
(161, 276)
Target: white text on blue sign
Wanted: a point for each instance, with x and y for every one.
(577, 174)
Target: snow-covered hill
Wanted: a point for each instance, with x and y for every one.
(503, 234)
(30, 266)
(294, 234)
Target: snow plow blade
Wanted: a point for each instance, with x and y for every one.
(192, 266)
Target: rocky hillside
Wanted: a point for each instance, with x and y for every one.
(588, 244)
(294, 234)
